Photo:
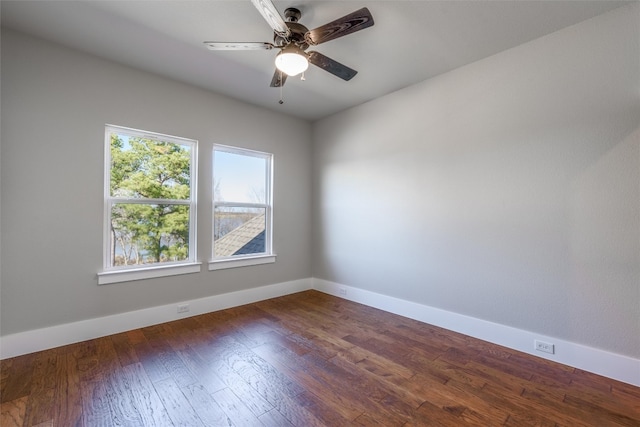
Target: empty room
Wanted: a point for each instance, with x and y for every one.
(320, 213)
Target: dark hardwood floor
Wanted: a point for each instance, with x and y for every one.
(307, 359)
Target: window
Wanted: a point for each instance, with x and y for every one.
(150, 205)
(241, 207)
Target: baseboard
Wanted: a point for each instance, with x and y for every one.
(610, 365)
(69, 333)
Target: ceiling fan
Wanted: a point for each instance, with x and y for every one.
(293, 39)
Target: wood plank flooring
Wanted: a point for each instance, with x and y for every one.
(307, 359)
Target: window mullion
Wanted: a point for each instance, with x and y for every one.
(240, 204)
(145, 201)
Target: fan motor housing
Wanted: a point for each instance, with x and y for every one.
(298, 31)
(297, 36)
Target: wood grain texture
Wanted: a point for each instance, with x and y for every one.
(307, 359)
(348, 24)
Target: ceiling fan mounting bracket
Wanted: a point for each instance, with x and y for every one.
(291, 14)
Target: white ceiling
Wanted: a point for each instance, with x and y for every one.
(411, 41)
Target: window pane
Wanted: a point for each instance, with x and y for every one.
(239, 178)
(149, 168)
(145, 234)
(239, 231)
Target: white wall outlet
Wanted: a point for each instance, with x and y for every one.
(342, 291)
(545, 347)
(183, 308)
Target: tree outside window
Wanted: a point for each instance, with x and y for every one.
(150, 199)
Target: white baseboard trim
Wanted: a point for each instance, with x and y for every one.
(69, 333)
(611, 365)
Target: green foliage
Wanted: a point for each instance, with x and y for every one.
(157, 231)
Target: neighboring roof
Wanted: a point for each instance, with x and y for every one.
(249, 238)
(255, 246)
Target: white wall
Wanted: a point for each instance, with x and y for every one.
(55, 103)
(507, 190)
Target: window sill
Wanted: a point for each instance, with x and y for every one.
(117, 276)
(241, 262)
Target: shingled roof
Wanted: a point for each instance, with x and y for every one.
(249, 238)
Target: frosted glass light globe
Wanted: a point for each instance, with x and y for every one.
(291, 62)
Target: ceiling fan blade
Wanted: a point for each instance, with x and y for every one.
(279, 79)
(334, 67)
(355, 21)
(239, 46)
(273, 18)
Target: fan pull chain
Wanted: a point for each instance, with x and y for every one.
(281, 100)
(302, 78)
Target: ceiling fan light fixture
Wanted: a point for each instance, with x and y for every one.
(293, 38)
(292, 61)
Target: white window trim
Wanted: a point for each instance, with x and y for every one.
(161, 270)
(221, 264)
(111, 274)
(253, 259)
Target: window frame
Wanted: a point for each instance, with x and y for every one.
(115, 274)
(233, 261)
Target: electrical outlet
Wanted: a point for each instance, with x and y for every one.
(183, 308)
(544, 346)
(342, 291)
